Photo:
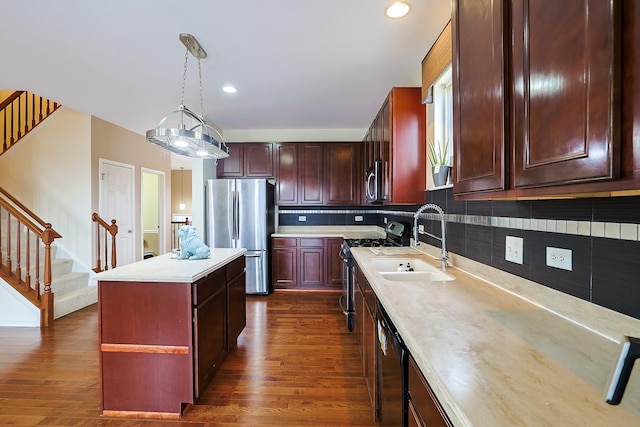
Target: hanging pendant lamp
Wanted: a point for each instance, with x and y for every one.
(192, 136)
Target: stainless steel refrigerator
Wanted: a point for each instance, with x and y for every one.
(241, 214)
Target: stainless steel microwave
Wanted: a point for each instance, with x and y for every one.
(374, 182)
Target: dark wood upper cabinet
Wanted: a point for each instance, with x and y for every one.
(258, 160)
(232, 166)
(286, 188)
(310, 174)
(480, 103)
(342, 166)
(566, 105)
(247, 160)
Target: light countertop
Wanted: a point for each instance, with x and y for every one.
(163, 268)
(495, 359)
(343, 231)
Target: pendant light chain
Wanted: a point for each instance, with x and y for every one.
(184, 74)
(201, 93)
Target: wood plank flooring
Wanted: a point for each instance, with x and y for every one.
(296, 364)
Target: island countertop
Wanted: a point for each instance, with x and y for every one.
(495, 359)
(163, 268)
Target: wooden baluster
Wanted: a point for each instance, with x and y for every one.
(36, 285)
(12, 121)
(27, 277)
(19, 103)
(1, 237)
(106, 264)
(41, 107)
(113, 230)
(4, 130)
(48, 107)
(9, 242)
(33, 110)
(18, 255)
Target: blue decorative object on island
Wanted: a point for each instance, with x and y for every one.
(190, 246)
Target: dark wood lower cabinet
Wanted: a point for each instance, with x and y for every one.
(424, 409)
(306, 263)
(236, 301)
(365, 332)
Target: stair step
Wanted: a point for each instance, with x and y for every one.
(67, 283)
(73, 301)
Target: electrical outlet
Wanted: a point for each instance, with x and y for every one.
(420, 228)
(559, 258)
(358, 218)
(302, 218)
(514, 249)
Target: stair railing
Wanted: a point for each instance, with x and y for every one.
(112, 230)
(20, 226)
(20, 113)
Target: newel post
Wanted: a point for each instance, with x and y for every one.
(113, 229)
(48, 235)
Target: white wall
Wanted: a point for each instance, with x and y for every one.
(15, 310)
(50, 172)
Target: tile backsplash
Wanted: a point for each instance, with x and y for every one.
(603, 235)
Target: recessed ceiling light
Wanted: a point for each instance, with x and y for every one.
(398, 9)
(229, 89)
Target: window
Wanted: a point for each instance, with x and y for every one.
(443, 115)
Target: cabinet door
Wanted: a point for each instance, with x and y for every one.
(369, 349)
(232, 166)
(311, 262)
(479, 101)
(424, 406)
(286, 174)
(310, 174)
(258, 160)
(284, 262)
(342, 181)
(566, 66)
(385, 147)
(335, 266)
(210, 326)
(236, 301)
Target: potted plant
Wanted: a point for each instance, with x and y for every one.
(439, 158)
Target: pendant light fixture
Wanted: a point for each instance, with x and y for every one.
(191, 136)
(182, 205)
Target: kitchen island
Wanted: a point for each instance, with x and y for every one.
(493, 358)
(165, 325)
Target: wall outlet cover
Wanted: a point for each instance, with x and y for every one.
(359, 218)
(302, 218)
(513, 251)
(560, 258)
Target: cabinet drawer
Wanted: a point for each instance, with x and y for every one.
(235, 268)
(209, 285)
(285, 242)
(312, 242)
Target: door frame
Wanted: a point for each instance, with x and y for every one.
(162, 214)
(101, 202)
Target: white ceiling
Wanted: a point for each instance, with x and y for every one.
(297, 64)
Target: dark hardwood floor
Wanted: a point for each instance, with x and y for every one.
(296, 364)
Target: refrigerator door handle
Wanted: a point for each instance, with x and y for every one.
(235, 202)
(253, 254)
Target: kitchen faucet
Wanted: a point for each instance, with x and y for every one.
(443, 239)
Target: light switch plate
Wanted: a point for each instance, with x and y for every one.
(514, 249)
(559, 258)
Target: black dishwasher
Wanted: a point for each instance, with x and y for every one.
(392, 359)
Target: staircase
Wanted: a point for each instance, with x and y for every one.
(20, 113)
(72, 290)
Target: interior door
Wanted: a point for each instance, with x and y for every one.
(116, 202)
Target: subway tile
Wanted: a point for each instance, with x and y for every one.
(478, 207)
(478, 243)
(526, 224)
(551, 225)
(512, 208)
(575, 282)
(584, 228)
(561, 226)
(612, 230)
(629, 231)
(572, 227)
(617, 209)
(456, 238)
(574, 209)
(615, 275)
(597, 229)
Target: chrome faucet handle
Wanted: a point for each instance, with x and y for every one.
(629, 352)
